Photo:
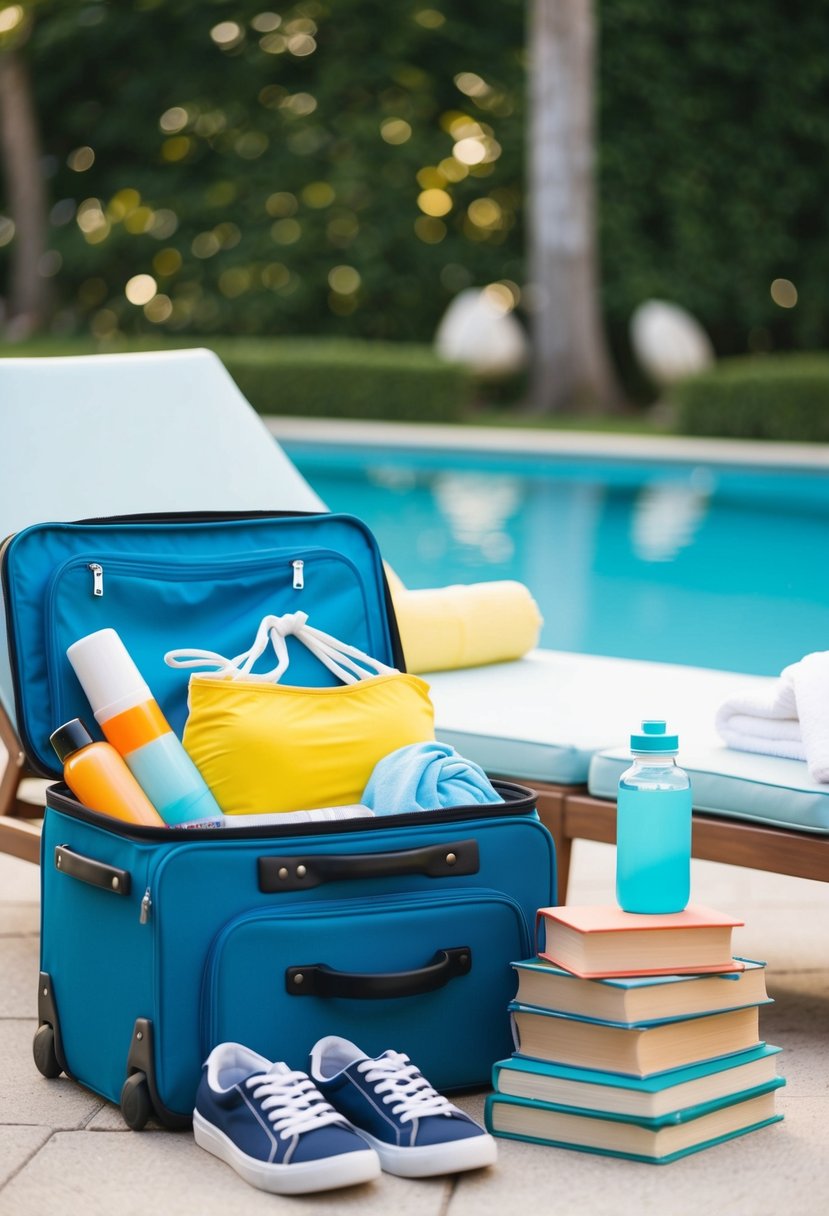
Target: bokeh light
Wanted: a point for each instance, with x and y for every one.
(429, 229)
(282, 202)
(173, 120)
(784, 293)
(264, 23)
(227, 35)
(395, 130)
(286, 232)
(434, 202)
(158, 309)
(429, 18)
(81, 159)
(472, 84)
(140, 289)
(11, 16)
(167, 262)
(345, 280)
(501, 296)
(318, 195)
(470, 151)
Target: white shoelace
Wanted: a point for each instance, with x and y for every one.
(292, 1102)
(400, 1082)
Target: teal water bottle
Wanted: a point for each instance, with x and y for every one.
(653, 826)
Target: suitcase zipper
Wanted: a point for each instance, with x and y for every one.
(97, 578)
(153, 567)
(146, 906)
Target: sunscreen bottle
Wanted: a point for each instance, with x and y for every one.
(132, 721)
(653, 825)
(97, 775)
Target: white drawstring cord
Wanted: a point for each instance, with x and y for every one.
(349, 664)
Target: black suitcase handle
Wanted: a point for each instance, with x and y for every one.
(96, 873)
(318, 979)
(296, 872)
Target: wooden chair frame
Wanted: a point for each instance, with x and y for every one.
(18, 834)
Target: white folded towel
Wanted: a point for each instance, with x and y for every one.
(790, 720)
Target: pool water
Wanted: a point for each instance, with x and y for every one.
(709, 565)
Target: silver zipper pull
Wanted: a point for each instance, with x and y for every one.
(146, 904)
(299, 575)
(97, 578)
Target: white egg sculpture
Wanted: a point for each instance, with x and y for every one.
(669, 342)
(480, 330)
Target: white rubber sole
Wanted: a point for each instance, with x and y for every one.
(453, 1157)
(346, 1169)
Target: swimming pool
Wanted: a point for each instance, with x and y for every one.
(699, 562)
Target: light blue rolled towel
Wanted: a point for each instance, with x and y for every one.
(426, 777)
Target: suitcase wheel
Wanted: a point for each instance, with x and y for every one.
(136, 1105)
(43, 1050)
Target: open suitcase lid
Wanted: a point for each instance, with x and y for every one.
(164, 582)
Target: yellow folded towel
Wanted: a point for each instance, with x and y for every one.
(464, 625)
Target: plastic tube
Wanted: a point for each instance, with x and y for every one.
(133, 723)
(99, 776)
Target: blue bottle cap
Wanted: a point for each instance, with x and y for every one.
(653, 738)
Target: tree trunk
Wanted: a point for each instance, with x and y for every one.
(571, 366)
(20, 157)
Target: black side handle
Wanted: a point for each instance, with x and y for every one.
(96, 873)
(317, 979)
(298, 871)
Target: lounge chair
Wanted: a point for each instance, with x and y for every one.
(170, 431)
(118, 434)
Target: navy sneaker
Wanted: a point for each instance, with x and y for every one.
(415, 1131)
(274, 1126)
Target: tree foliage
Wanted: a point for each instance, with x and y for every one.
(714, 173)
(282, 170)
(278, 171)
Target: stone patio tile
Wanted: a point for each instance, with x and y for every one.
(776, 1169)
(17, 1145)
(798, 1022)
(17, 919)
(19, 881)
(98, 1173)
(28, 1098)
(19, 966)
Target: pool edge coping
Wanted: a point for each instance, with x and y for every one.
(533, 441)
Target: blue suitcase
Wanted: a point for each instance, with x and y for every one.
(158, 944)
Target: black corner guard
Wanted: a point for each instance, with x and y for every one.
(317, 979)
(47, 1013)
(88, 870)
(141, 1058)
(299, 871)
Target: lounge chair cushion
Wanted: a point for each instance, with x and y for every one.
(544, 716)
(557, 717)
(744, 785)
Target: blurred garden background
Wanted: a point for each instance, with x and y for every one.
(306, 188)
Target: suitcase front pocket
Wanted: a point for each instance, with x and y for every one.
(153, 600)
(426, 974)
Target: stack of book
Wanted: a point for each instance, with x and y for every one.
(637, 1036)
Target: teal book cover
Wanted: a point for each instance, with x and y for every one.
(737, 993)
(639, 1024)
(634, 981)
(655, 1142)
(651, 1084)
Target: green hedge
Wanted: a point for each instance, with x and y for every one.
(761, 397)
(317, 377)
(347, 379)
